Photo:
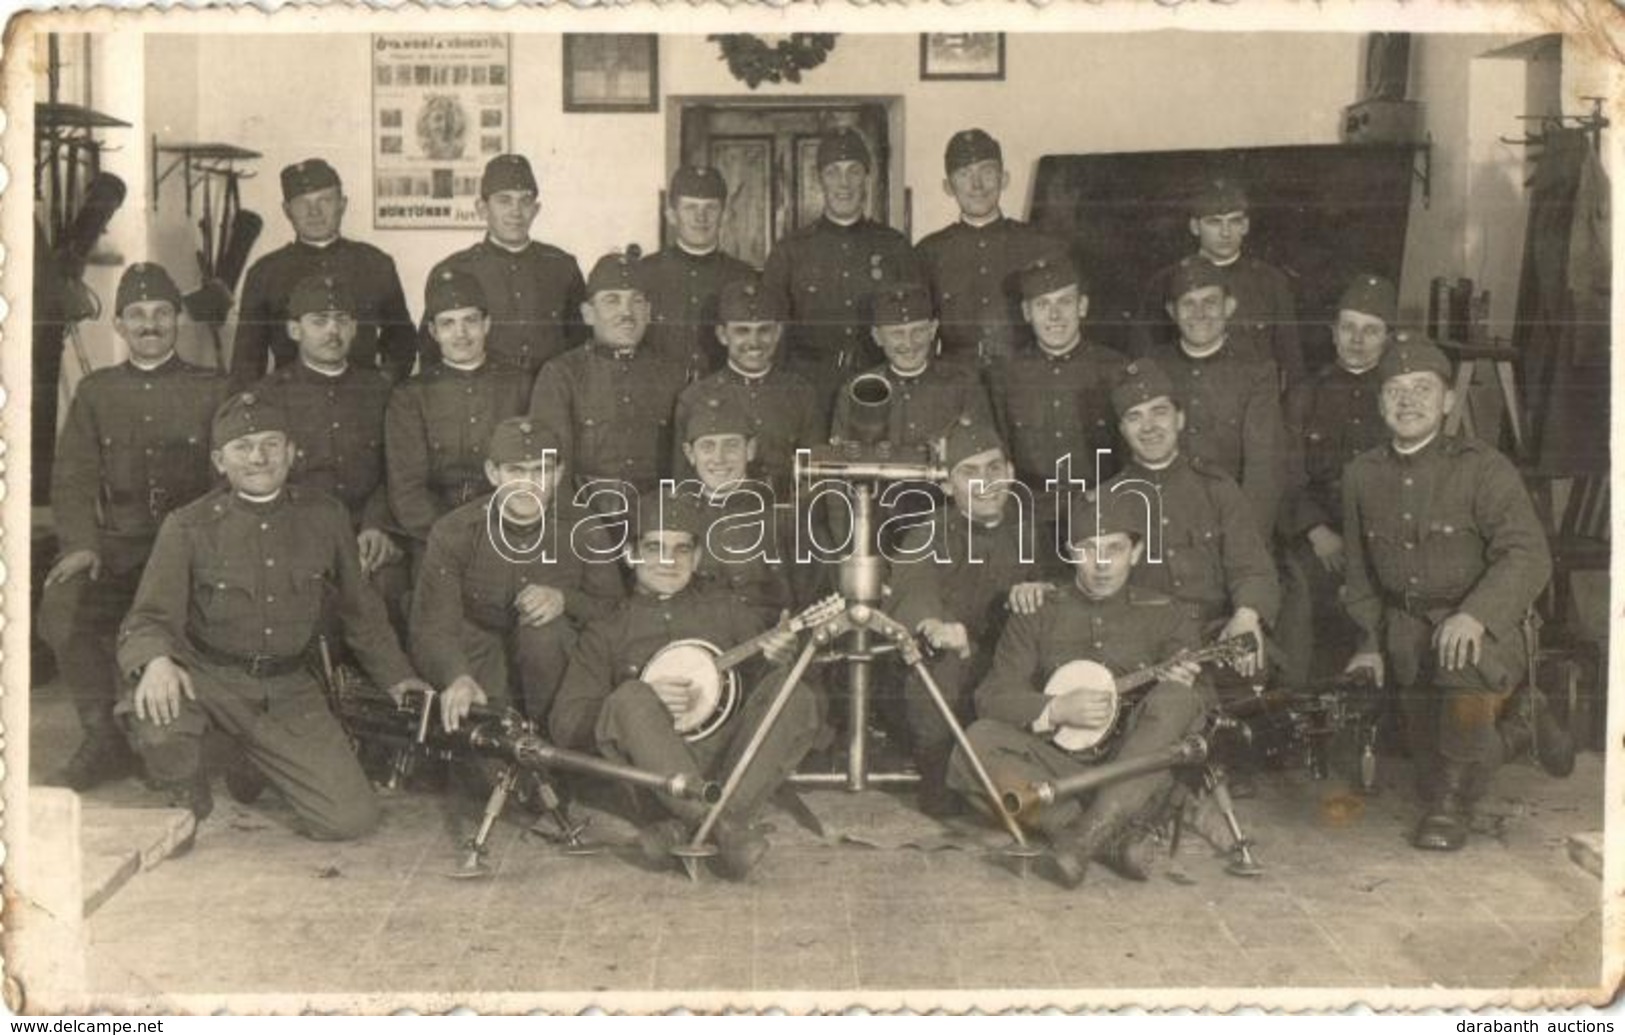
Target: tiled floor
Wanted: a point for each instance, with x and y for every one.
(1345, 903)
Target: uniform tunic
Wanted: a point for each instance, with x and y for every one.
(1447, 529)
(923, 406)
(385, 336)
(613, 410)
(824, 277)
(971, 271)
(464, 620)
(1212, 558)
(604, 704)
(234, 579)
(742, 555)
(436, 430)
(337, 422)
(1265, 323)
(779, 409)
(534, 294)
(135, 447)
(1049, 406)
(683, 289)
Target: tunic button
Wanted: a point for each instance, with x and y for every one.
(264, 525)
(1405, 517)
(1410, 546)
(270, 599)
(147, 418)
(473, 420)
(1099, 645)
(1407, 481)
(335, 424)
(270, 562)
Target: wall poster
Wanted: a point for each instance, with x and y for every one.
(440, 110)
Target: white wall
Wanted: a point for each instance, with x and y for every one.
(295, 96)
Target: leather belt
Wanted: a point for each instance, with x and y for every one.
(1419, 605)
(260, 666)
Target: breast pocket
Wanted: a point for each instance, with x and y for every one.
(1193, 558)
(225, 593)
(1452, 549)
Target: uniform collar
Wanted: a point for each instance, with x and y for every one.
(611, 352)
(1213, 351)
(1066, 353)
(994, 220)
(509, 249)
(835, 224)
(1417, 452)
(751, 379)
(461, 368)
(160, 367)
(683, 249)
(1178, 460)
(320, 246)
(308, 371)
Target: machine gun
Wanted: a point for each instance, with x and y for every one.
(1297, 725)
(410, 731)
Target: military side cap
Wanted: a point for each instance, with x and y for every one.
(617, 271)
(1217, 197)
(713, 416)
(245, 414)
(146, 282)
(321, 293)
(698, 181)
(744, 301)
(1412, 357)
(1139, 382)
(667, 512)
(1101, 512)
(969, 146)
(844, 145)
(507, 172)
(453, 289)
(518, 439)
(902, 303)
(1373, 296)
(1046, 275)
(312, 174)
(966, 438)
(1192, 273)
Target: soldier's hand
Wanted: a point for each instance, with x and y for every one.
(1328, 547)
(946, 636)
(1370, 661)
(538, 605)
(1460, 639)
(377, 549)
(398, 692)
(1245, 620)
(457, 700)
(1088, 709)
(158, 694)
(1184, 673)
(72, 564)
(780, 648)
(676, 694)
(1028, 597)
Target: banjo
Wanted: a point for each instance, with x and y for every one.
(1090, 742)
(711, 670)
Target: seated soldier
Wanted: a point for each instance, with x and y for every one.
(605, 705)
(740, 552)
(1445, 557)
(439, 421)
(226, 620)
(505, 585)
(1099, 617)
(950, 581)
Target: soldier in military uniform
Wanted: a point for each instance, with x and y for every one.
(313, 200)
(1204, 549)
(1098, 616)
(1231, 403)
(336, 418)
(823, 276)
(439, 422)
(609, 401)
(684, 280)
(224, 625)
(605, 705)
(951, 582)
(1445, 555)
(1054, 401)
(971, 265)
(135, 447)
(506, 583)
(534, 290)
(1265, 321)
(1331, 418)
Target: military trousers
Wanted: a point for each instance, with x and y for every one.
(1015, 757)
(284, 726)
(1314, 632)
(80, 620)
(636, 727)
(522, 666)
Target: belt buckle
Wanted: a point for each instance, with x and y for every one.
(260, 665)
(157, 501)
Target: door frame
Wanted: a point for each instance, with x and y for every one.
(897, 194)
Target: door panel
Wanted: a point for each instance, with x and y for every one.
(746, 163)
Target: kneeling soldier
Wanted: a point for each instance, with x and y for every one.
(504, 585)
(1099, 618)
(605, 704)
(224, 624)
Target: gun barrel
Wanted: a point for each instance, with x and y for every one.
(532, 752)
(1026, 800)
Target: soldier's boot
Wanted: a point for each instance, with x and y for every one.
(1528, 726)
(244, 780)
(1445, 825)
(1072, 848)
(739, 848)
(656, 841)
(104, 755)
(196, 797)
(935, 798)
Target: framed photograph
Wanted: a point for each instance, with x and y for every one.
(607, 72)
(961, 55)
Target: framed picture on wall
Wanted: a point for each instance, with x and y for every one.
(608, 72)
(961, 55)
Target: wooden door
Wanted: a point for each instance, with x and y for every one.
(768, 156)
